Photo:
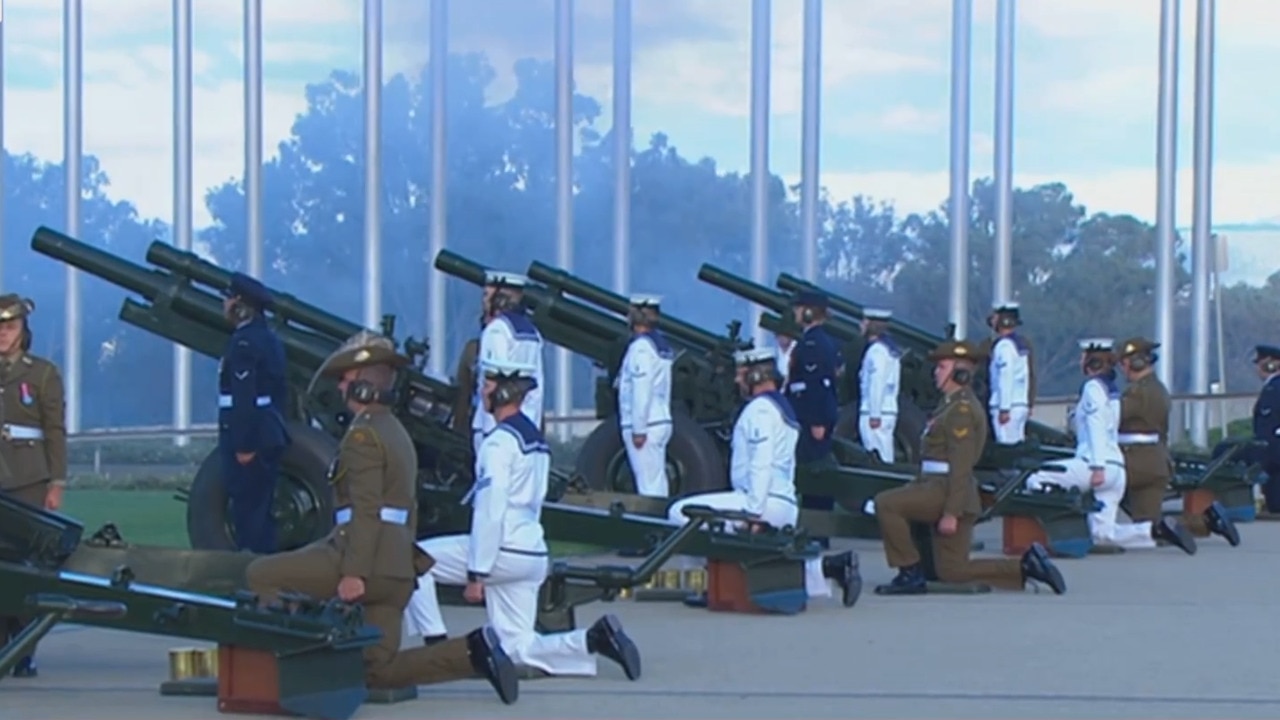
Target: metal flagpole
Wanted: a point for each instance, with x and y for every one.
(760, 59)
(253, 135)
(811, 137)
(72, 152)
(958, 208)
(182, 191)
(2, 185)
(1166, 187)
(1202, 217)
(1003, 270)
(438, 332)
(564, 179)
(372, 163)
(621, 145)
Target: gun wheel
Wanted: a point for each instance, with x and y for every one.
(303, 506)
(694, 461)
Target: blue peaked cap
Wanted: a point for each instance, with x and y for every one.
(250, 290)
(810, 298)
(1266, 352)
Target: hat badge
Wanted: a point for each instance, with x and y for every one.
(362, 355)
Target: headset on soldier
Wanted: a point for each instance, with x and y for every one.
(759, 366)
(1265, 357)
(643, 310)
(507, 291)
(512, 382)
(1140, 355)
(1098, 355)
(1004, 316)
(812, 306)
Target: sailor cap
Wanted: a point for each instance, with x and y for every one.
(753, 356)
(496, 367)
(877, 314)
(1005, 307)
(646, 301)
(1097, 344)
(505, 279)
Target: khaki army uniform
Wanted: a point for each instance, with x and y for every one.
(953, 440)
(375, 499)
(1144, 440)
(33, 436)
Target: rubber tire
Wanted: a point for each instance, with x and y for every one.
(704, 466)
(307, 458)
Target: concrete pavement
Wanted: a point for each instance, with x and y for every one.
(1140, 635)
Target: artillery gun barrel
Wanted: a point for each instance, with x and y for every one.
(566, 282)
(909, 333)
(286, 306)
(844, 329)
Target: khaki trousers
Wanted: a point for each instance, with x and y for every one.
(313, 571)
(917, 502)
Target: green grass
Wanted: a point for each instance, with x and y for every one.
(153, 517)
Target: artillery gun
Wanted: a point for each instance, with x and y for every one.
(589, 320)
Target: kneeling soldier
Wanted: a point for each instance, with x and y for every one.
(945, 494)
(369, 557)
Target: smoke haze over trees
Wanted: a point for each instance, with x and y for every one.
(1075, 273)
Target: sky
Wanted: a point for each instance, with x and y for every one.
(1085, 89)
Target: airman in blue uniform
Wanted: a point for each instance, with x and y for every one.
(811, 379)
(251, 431)
(1266, 422)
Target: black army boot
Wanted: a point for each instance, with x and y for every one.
(492, 663)
(1215, 516)
(1174, 533)
(434, 639)
(26, 668)
(1037, 566)
(909, 581)
(843, 568)
(607, 638)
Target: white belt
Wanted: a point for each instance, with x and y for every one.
(225, 401)
(798, 387)
(22, 432)
(1138, 438)
(390, 515)
(935, 467)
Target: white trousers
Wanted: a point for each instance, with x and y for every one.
(649, 463)
(1102, 524)
(777, 512)
(511, 599)
(1014, 431)
(879, 440)
(477, 437)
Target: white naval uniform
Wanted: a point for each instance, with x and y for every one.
(1010, 373)
(762, 471)
(644, 407)
(509, 337)
(878, 378)
(506, 547)
(784, 361)
(1097, 425)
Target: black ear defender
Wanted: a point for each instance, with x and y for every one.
(961, 375)
(1271, 365)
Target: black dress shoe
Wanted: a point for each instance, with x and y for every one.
(492, 663)
(1175, 533)
(26, 668)
(1215, 516)
(909, 581)
(429, 640)
(607, 638)
(843, 568)
(696, 600)
(1037, 566)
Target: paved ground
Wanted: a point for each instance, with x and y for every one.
(1141, 635)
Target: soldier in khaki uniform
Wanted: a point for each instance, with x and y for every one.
(945, 494)
(1144, 440)
(370, 556)
(33, 437)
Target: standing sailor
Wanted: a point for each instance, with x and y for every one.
(508, 335)
(878, 385)
(762, 468)
(1098, 463)
(33, 437)
(1144, 440)
(1010, 376)
(369, 556)
(252, 390)
(503, 561)
(1266, 423)
(644, 398)
(945, 494)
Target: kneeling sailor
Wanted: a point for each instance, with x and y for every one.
(503, 561)
(762, 469)
(945, 494)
